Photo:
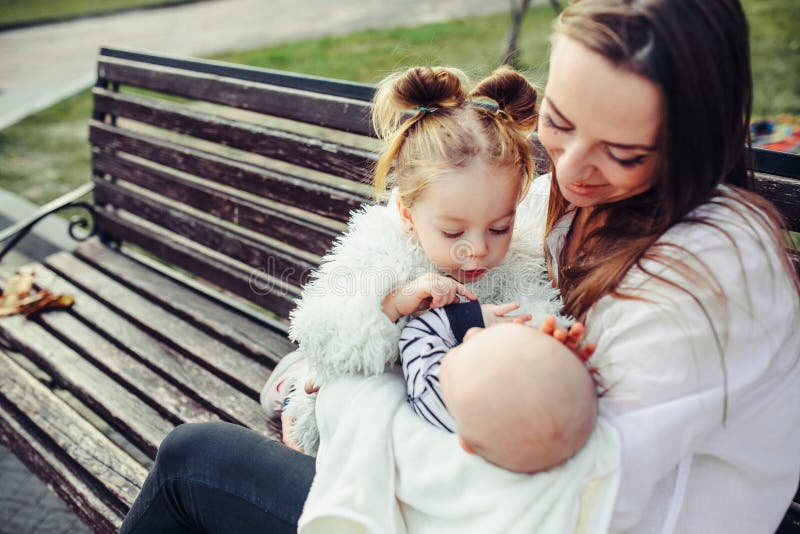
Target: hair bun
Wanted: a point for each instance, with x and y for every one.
(514, 94)
(432, 87)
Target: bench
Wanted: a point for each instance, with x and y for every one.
(216, 190)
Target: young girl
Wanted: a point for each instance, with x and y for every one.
(454, 226)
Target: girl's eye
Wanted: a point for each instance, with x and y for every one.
(629, 162)
(499, 231)
(548, 121)
(452, 235)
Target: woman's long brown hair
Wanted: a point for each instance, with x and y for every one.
(697, 53)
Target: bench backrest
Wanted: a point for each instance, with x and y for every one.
(242, 180)
(242, 177)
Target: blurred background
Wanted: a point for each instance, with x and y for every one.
(44, 152)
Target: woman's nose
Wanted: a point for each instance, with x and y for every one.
(573, 162)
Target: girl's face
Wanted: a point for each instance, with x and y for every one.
(464, 219)
(600, 126)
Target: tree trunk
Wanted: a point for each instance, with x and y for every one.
(511, 56)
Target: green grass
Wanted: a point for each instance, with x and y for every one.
(775, 55)
(473, 44)
(24, 11)
(47, 154)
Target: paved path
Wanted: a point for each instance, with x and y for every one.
(28, 506)
(42, 65)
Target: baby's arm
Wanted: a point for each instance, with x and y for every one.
(423, 344)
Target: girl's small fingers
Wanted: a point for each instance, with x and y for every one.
(461, 289)
(502, 309)
(521, 318)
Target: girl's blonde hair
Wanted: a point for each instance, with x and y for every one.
(431, 125)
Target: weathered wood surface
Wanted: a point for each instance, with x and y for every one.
(313, 153)
(237, 369)
(329, 111)
(299, 192)
(199, 386)
(209, 233)
(95, 477)
(254, 285)
(784, 193)
(252, 337)
(142, 424)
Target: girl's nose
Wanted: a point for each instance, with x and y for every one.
(479, 248)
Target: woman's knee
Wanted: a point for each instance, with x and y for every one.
(182, 447)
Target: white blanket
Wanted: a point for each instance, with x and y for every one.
(398, 474)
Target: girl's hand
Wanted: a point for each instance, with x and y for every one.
(498, 313)
(572, 338)
(430, 290)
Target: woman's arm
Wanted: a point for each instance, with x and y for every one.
(702, 411)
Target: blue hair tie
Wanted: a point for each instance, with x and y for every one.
(425, 110)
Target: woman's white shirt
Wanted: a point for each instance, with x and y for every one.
(710, 438)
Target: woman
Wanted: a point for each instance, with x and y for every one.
(677, 271)
(655, 244)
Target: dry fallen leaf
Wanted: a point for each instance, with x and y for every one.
(18, 298)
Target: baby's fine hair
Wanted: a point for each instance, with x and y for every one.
(430, 124)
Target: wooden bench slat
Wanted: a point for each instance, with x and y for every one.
(313, 108)
(58, 445)
(295, 232)
(240, 371)
(249, 285)
(193, 380)
(784, 195)
(309, 152)
(236, 329)
(170, 402)
(141, 424)
(308, 195)
(304, 82)
(291, 270)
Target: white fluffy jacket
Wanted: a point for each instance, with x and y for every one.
(339, 323)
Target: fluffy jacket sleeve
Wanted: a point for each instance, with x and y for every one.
(338, 322)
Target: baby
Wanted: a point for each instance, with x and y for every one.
(513, 394)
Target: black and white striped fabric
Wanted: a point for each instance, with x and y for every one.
(424, 342)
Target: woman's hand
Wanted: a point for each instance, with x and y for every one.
(572, 338)
(498, 313)
(430, 290)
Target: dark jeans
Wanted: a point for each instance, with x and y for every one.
(219, 477)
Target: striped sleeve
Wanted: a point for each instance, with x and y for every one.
(423, 343)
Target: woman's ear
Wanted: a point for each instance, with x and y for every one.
(405, 216)
(464, 445)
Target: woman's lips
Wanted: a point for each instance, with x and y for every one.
(583, 189)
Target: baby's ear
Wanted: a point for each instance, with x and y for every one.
(464, 445)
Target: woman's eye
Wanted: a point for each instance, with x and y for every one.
(548, 121)
(629, 162)
(452, 235)
(499, 231)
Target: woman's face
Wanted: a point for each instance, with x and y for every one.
(600, 126)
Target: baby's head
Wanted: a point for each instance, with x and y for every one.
(520, 399)
(460, 162)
